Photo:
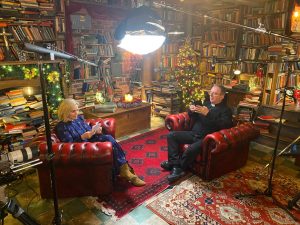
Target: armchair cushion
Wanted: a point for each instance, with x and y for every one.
(222, 151)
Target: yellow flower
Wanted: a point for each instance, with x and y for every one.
(53, 77)
(30, 73)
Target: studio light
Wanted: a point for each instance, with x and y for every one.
(141, 32)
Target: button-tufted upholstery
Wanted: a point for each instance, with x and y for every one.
(222, 152)
(81, 169)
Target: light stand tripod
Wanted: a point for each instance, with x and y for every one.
(58, 216)
(269, 190)
(291, 203)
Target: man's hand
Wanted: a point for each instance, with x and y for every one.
(192, 108)
(201, 110)
(87, 135)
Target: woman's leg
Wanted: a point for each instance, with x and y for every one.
(118, 153)
(120, 163)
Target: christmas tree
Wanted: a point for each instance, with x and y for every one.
(188, 76)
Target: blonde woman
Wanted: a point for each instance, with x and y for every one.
(73, 128)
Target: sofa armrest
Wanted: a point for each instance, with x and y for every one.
(83, 153)
(228, 139)
(108, 125)
(214, 142)
(176, 122)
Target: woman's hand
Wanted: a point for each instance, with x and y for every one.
(87, 135)
(99, 130)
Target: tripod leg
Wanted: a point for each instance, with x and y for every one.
(19, 213)
(293, 203)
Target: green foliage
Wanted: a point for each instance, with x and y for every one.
(30, 71)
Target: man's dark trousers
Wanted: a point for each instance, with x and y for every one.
(175, 138)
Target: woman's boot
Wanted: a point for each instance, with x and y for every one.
(125, 172)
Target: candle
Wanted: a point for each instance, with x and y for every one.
(128, 98)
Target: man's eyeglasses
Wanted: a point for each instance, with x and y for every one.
(213, 93)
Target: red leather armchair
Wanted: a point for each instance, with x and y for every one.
(222, 152)
(81, 169)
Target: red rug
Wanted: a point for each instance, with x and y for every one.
(144, 153)
(197, 202)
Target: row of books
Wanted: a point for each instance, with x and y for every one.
(249, 67)
(169, 61)
(197, 45)
(29, 6)
(33, 32)
(294, 80)
(219, 51)
(253, 54)
(226, 36)
(171, 48)
(230, 15)
(276, 6)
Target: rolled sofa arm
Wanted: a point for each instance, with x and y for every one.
(177, 122)
(108, 125)
(229, 138)
(83, 153)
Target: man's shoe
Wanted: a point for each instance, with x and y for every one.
(166, 165)
(176, 174)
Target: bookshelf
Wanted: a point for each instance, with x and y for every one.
(217, 45)
(36, 22)
(167, 59)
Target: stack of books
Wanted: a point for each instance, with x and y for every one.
(262, 126)
(105, 107)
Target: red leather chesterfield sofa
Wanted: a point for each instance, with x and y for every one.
(81, 169)
(222, 152)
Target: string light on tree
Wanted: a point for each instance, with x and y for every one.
(188, 76)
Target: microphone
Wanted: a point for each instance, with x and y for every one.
(53, 53)
(39, 49)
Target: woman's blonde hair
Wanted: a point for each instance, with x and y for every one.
(65, 108)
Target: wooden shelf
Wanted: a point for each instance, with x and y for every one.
(281, 138)
(29, 62)
(289, 108)
(19, 83)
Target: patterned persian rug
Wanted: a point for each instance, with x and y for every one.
(144, 153)
(197, 202)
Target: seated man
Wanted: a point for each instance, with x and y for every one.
(213, 116)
